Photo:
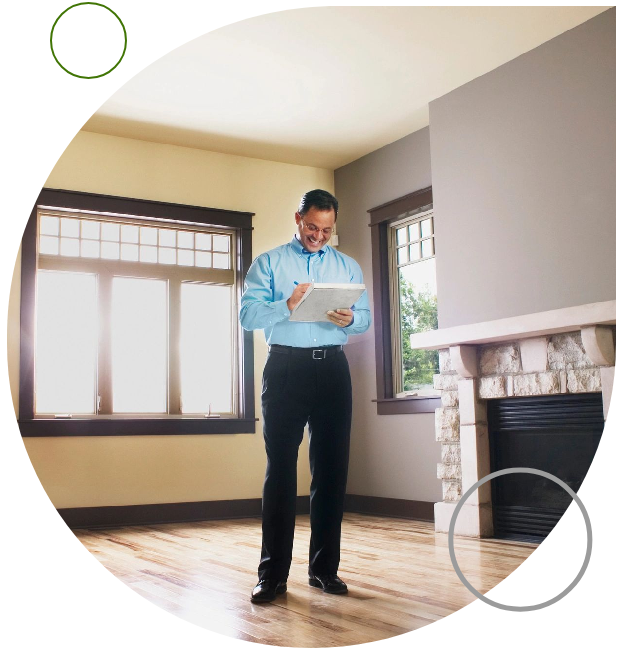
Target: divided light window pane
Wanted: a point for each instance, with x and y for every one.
(185, 257)
(48, 245)
(148, 254)
(206, 348)
(49, 225)
(129, 251)
(66, 343)
(88, 238)
(203, 259)
(110, 231)
(69, 227)
(203, 241)
(148, 235)
(167, 256)
(90, 230)
(129, 233)
(221, 261)
(427, 248)
(110, 250)
(90, 249)
(69, 247)
(167, 238)
(139, 345)
(185, 240)
(220, 243)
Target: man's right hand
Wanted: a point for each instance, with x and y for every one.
(297, 295)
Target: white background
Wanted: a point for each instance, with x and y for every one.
(55, 592)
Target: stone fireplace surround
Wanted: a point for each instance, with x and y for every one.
(570, 350)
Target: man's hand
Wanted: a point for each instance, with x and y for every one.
(297, 295)
(342, 317)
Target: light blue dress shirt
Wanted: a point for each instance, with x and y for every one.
(271, 280)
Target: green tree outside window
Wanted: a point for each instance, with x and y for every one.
(419, 313)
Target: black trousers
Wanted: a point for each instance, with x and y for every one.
(297, 390)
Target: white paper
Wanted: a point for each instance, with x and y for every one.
(321, 297)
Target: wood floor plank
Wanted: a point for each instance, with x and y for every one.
(399, 574)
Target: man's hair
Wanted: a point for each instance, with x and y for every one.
(320, 199)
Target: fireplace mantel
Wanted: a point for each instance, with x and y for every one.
(538, 324)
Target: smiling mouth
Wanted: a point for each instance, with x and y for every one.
(313, 241)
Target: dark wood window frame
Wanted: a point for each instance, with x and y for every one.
(240, 222)
(381, 218)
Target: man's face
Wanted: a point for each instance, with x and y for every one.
(315, 228)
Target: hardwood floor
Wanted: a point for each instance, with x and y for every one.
(398, 571)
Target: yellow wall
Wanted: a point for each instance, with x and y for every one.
(98, 471)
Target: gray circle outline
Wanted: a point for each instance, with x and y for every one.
(549, 476)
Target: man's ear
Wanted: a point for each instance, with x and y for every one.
(298, 217)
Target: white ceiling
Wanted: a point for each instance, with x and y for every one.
(322, 86)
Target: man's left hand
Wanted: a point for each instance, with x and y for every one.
(342, 317)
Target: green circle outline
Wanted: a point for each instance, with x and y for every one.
(98, 4)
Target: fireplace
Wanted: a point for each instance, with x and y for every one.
(548, 364)
(558, 434)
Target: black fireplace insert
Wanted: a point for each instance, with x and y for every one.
(558, 434)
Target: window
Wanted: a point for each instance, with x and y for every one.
(131, 318)
(404, 288)
(413, 302)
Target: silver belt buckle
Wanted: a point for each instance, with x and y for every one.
(321, 351)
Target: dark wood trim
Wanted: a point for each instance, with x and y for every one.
(127, 515)
(126, 206)
(381, 216)
(408, 405)
(246, 338)
(395, 507)
(381, 311)
(27, 318)
(130, 206)
(102, 427)
(397, 207)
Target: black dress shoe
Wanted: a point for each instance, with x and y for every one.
(267, 590)
(329, 583)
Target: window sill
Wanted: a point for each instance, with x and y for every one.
(101, 427)
(407, 405)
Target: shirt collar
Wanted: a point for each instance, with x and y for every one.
(296, 245)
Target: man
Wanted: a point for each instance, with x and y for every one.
(306, 380)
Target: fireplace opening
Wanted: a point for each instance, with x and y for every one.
(558, 434)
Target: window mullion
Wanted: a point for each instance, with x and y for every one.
(395, 313)
(104, 362)
(174, 338)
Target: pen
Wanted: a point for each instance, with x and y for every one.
(295, 283)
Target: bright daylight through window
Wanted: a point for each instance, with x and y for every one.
(134, 318)
(414, 307)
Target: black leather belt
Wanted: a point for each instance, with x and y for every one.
(313, 354)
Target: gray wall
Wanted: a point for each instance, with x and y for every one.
(391, 456)
(523, 183)
(523, 162)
